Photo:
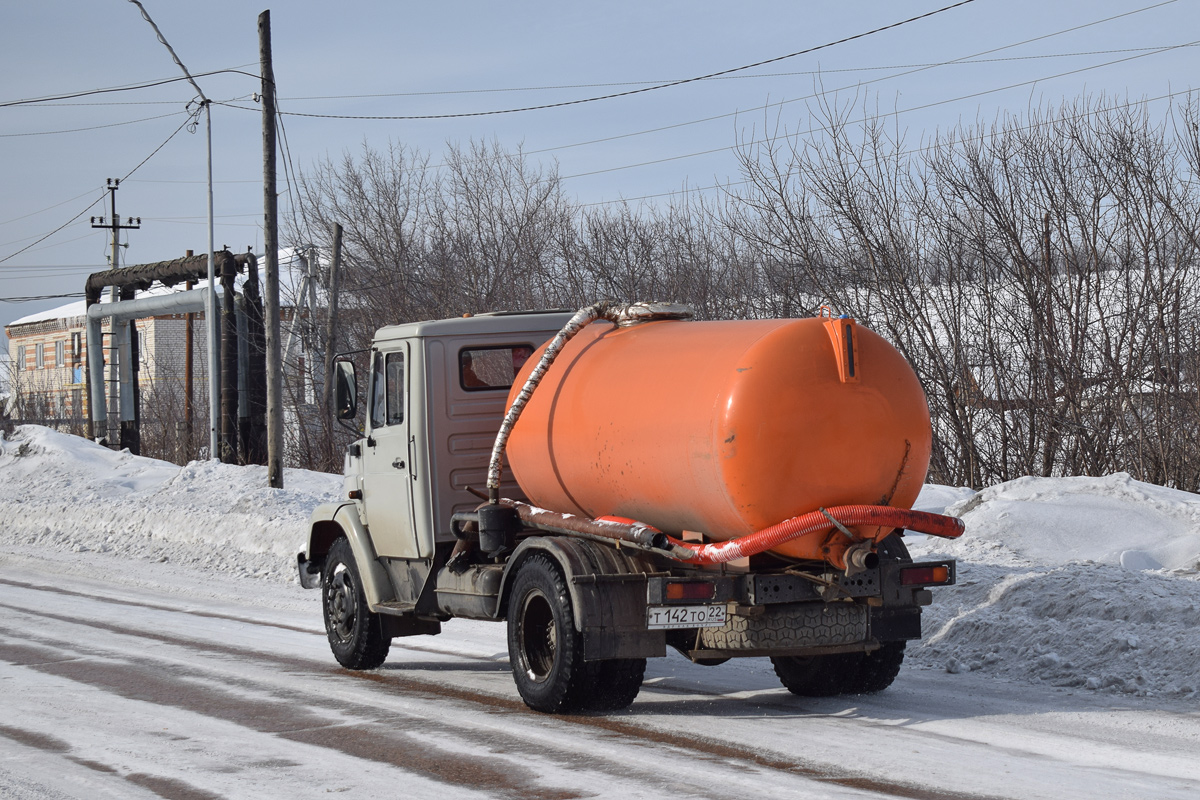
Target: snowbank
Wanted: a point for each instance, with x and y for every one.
(1053, 521)
(1088, 583)
(66, 493)
(1075, 582)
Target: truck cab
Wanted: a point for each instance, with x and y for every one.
(400, 553)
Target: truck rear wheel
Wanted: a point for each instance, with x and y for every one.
(840, 673)
(544, 649)
(847, 673)
(355, 633)
(614, 683)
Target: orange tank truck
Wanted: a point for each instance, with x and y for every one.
(723, 428)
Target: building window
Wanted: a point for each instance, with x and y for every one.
(60, 348)
(76, 346)
(39, 355)
(20, 363)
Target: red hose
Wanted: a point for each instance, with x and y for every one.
(881, 516)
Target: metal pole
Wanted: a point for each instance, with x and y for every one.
(212, 316)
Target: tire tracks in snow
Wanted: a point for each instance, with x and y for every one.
(374, 739)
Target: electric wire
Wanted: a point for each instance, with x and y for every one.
(191, 118)
(906, 151)
(125, 88)
(92, 127)
(48, 208)
(34, 298)
(802, 73)
(915, 69)
(891, 113)
(99, 199)
(912, 71)
(644, 89)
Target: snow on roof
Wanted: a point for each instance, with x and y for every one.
(76, 309)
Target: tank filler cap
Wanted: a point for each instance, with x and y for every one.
(636, 313)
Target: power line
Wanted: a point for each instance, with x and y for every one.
(646, 88)
(191, 118)
(125, 88)
(91, 128)
(48, 208)
(39, 297)
(852, 86)
(97, 200)
(896, 113)
(150, 180)
(905, 151)
(89, 207)
(915, 69)
(802, 73)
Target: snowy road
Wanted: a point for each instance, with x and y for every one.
(162, 681)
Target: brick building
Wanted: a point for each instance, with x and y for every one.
(48, 370)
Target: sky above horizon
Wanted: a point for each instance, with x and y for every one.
(960, 66)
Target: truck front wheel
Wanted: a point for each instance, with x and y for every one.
(355, 633)
(544, 648)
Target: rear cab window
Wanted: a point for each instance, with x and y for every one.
(482, 369)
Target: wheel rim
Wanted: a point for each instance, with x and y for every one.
(538, 636)
(340, 603)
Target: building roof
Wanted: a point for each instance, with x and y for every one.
(76, 309)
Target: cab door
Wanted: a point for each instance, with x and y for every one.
(388, 471)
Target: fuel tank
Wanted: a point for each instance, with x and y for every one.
(722, 428)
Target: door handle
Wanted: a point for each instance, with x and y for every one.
(398, 464)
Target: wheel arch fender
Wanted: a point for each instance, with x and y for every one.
(331, 520)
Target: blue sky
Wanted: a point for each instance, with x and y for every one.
(450, 57)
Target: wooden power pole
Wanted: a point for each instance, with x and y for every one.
(335, 267)
(271, 267)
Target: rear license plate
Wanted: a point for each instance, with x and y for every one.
(711, 616)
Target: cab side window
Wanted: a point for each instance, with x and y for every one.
(395, 388)
(378, 392)
(387, 389)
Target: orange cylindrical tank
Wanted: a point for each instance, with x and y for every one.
(723, 428)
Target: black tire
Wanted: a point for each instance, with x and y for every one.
(817, 676)
(878, 669)
(614, 683)
(544, 649)
(355, 633)
(847, 673)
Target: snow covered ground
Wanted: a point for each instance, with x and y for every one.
(1077, 613)
(1089, 583)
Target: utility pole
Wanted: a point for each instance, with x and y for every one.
(335, 267)
(118, 336)
(114, 222)
(271, 268)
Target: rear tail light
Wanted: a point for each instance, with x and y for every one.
(691, 590)
(926, 576)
